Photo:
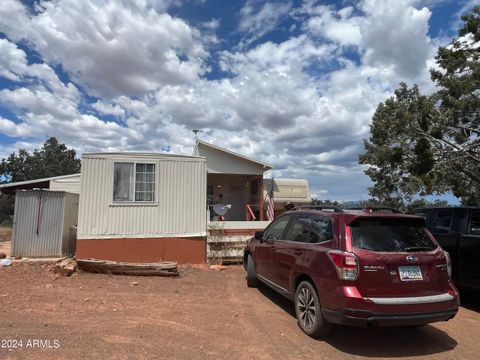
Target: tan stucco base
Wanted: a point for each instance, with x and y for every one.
(190, 250)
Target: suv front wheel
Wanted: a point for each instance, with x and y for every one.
(309, 311)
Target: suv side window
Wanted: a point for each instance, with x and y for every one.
(277, 228)
(323, 226)
(310, 229)
(474, 226)
(443, 221)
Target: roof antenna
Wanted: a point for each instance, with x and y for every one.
(195, 147)
(196, 131)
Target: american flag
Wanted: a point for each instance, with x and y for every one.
(270, 212)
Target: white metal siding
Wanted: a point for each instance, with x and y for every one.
(178, 212)
(70, 184)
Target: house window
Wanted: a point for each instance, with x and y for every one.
(133, 182)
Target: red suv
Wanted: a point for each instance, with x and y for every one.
(354, 267)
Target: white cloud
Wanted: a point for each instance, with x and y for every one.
(114, 48)
(109, 109)
(338, 26)
(389, 34)
(256, 21)
(13, 19)
(294, 53)
(39, 100)
(212, 24)
(301, 104)
(395, 33)
(9, 128)
(13, 62)
(14, 66)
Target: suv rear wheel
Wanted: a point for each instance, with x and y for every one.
(252, 280)
(309, 311)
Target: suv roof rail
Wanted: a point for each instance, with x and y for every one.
(371, 209)
(318, 207)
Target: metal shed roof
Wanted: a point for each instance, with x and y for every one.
(43, 183)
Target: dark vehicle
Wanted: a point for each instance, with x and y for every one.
(353, 267)
(457, 229)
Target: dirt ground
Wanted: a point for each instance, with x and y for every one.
(201, 315)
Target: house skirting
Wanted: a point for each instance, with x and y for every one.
(191, 250)
(235, 232)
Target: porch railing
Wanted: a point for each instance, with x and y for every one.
(249, 213)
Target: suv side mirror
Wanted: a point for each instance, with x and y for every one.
(259, 235)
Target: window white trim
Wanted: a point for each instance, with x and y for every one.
(135, 202)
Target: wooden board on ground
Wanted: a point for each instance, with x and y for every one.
(166, 268)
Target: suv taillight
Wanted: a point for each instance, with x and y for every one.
(346, 264)
(449, 264)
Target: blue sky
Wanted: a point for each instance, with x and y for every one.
(291, 83)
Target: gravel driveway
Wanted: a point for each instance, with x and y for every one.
(202, 314)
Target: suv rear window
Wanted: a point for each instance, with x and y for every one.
(390, 236)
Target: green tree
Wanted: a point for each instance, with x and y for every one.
(53, 159)
(401, 157)
(326, 202)
(421, 145)
(422, 203)
(376, 203)
(458, 97)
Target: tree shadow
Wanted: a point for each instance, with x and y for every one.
(384, 342)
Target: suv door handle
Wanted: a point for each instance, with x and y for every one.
(273, 248)
(298, 252)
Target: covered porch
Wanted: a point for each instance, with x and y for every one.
(242, 192)
(234, 180)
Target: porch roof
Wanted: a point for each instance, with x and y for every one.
(223, 161)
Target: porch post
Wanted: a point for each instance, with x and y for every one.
(261, 198)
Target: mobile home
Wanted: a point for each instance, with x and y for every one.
(142, 207)
(146, 207)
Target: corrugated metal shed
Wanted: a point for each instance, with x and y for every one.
(42, 223)
(178, 209)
